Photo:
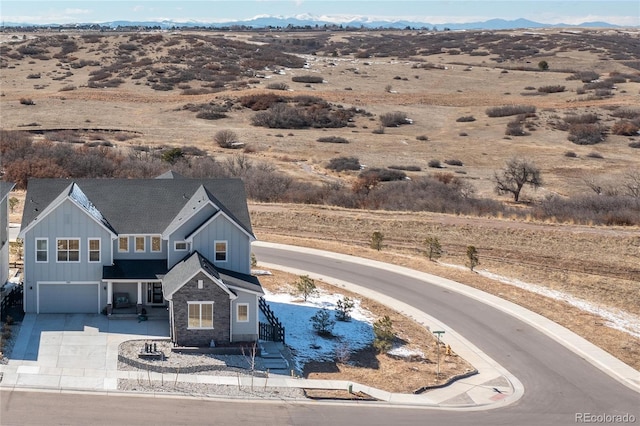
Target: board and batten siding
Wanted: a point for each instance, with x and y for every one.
(238, 244)
(66, 221)
(4, 240)
(245, 331)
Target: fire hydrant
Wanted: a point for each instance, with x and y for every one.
(448, 351)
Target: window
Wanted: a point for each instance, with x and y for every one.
(68, 250)
(221, 251)
(42, 250)
(242, 312)
(94, 250)
(200, 284)
(181, 246)
(140, 244)
(123, 244)
(200, 315)
(156, 244)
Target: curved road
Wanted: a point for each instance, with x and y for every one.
(558, 384)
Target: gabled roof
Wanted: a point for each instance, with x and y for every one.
(170, 175)
(5, 188)
(186, 269)
(140, 206)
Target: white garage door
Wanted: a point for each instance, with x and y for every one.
(68, 298)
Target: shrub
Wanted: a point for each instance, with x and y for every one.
(27, 101)
(344, 163)
(394, 119)
(514, 128)
(453, 162)
(625, 128)
(306, 287)
(507, 110)
(278, 86)
(260, 102)
(406, 168)
(280, 116)
(211, 115)
(600, 84)
(33, 76)
(383, 332)
(435, 164)
(581, 118)
(466, 119)
(68, 88)
(570, 154)
(322, 323)
(226, 139)
(422, 138)
(307, 79)
(383, 175)
(628, 113)
(584, 76)
(586, 134)
(551, 89)
(344, 307)
(332, 139)
(472, 257)
(634, 144)
(376, 240)
(594, 154)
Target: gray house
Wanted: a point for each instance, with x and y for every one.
(5, 189)
(112, 244)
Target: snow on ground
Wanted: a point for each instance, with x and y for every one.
(614, 318)
(295, 315)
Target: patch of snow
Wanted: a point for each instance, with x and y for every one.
(406, 352)
(306, 345)
(614, 318)
(260, 272)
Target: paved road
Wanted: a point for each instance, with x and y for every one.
(558, 384)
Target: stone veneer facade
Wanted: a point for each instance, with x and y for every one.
(221, 313)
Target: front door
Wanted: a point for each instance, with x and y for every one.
(154, 293)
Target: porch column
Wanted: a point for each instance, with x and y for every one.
(109, 297)
(139, 299)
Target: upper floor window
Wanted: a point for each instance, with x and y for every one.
(140, 244)
(68, 249)
(42, 250)
(221, 251)
(156, 244)
(123, 244)
(94, 250)
(181, 246)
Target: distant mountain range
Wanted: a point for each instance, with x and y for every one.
(311, 21)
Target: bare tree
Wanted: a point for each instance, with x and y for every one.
(632, 183)
(516, 173)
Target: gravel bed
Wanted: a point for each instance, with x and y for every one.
(201, 364)
(208, 364)
(202, 389)
(5, 353)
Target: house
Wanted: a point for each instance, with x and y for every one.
(5, 189)
(93, 245)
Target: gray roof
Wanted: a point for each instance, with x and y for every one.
(170, 175)
(190, 265)
(5, 188)
(140, 206)
(135, 269)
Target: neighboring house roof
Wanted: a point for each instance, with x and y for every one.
(186, 269)
(170, 175)
(5, 188)
(135, 269)
(139, 206)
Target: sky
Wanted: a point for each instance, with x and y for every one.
(619, 12)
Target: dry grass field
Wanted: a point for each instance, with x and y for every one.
(160, 81)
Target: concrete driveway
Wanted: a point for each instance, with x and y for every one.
(73, 350)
